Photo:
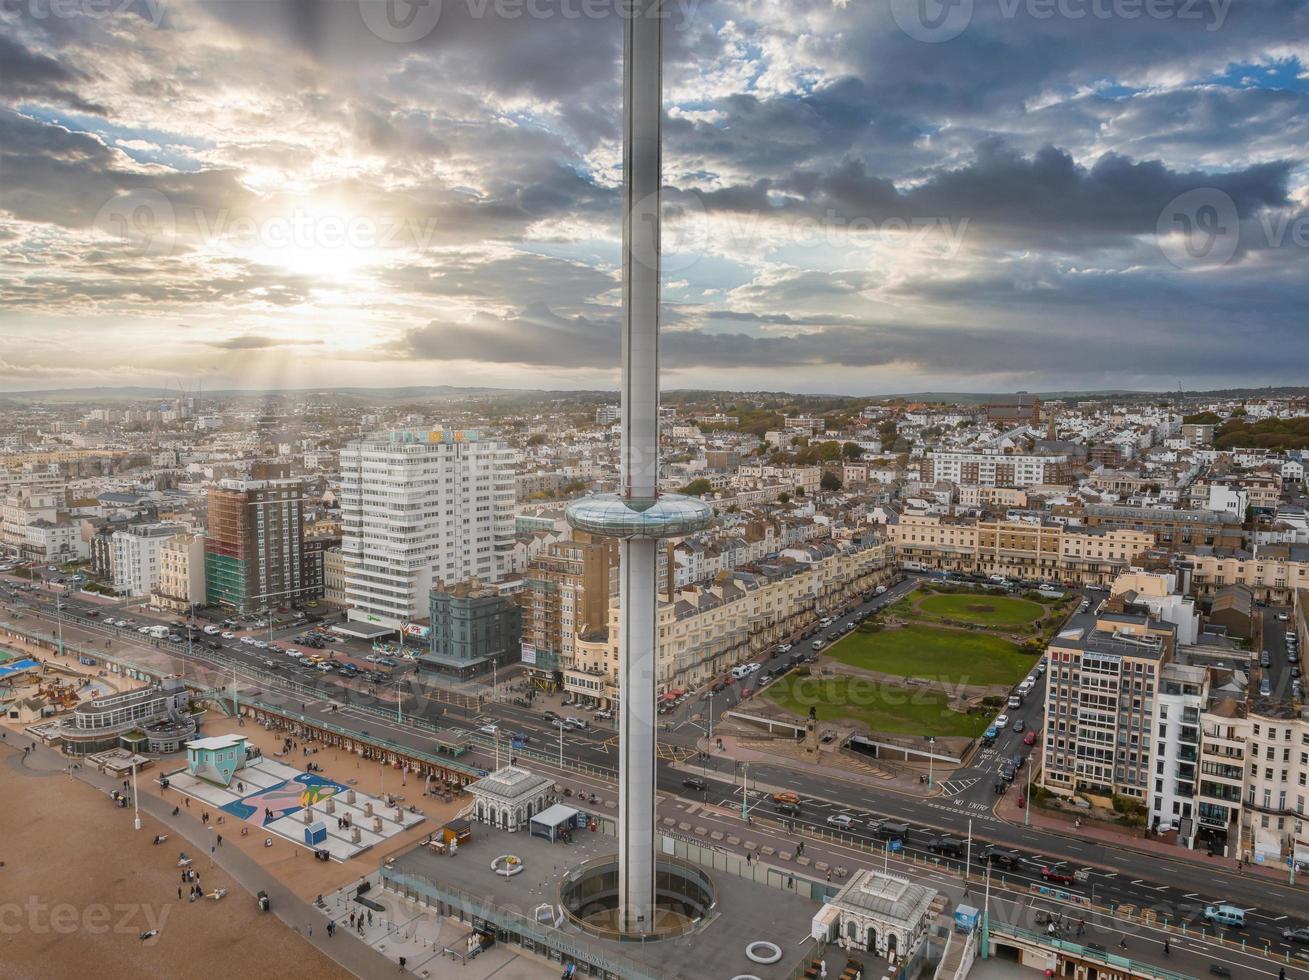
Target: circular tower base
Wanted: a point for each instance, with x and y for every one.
(684, 895)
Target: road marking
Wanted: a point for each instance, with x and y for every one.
(1191, 895)
(1139, 881)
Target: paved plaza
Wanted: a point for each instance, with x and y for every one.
(268, 797)
(745, 911)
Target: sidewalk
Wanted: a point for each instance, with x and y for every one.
(734, 751)
(1008, 810)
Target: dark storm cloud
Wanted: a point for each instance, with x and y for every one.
(32, 76)
(1046, 199)
(57, 176)
(1182, 340)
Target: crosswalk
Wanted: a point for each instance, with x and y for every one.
(953, 787)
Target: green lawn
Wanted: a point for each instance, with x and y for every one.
(880, 707)
(957, 656)
(980, 609)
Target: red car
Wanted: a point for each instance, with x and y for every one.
(1058, 876)
(1029, 738)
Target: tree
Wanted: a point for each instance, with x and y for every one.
(697, 488)
(851, 450)
(799, 491)
(783, 497)
(829, 451)
(830, 481)
(537, 439)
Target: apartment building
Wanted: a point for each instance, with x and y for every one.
(995, 469)
(565, 592)
(1102, 681)
(254, 550)
(30, 494)
(1173, 529)
(421, 509)
(1181, 696)
(475, 628)
(1033, 550)
(181, 582)
(1273, 573)
(1274, 814)
(704, 630)
(136, 559)
(806, 477)
(334, 578)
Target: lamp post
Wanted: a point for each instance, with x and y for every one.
(1027, 803)
(931, 757)
(136, 799)
(968, 854)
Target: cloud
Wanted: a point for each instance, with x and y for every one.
(252, 342)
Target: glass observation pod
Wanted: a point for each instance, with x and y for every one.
(670, 515)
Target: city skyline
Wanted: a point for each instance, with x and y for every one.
(239, 195)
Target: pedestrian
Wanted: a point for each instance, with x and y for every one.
(179, 893)
(188, 802)
(370, 917)
(829, 876)
(1122, 943)
(220, 840)
(1167, 951)
(402, 964)
(1081, 927)
(352, 920)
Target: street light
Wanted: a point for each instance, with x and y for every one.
(931, 757)
(136, 797)
(1027, 803)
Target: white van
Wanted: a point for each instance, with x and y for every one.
(825, 622)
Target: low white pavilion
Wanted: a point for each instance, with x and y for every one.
(882, 913)
(509, 797)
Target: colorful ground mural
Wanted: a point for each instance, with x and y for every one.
(264, 806)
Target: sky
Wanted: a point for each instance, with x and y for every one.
(859, 197)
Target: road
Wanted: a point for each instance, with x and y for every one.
(1178, 889)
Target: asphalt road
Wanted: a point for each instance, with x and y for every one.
(1176, 888)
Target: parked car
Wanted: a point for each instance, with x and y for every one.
(228, 635)
(1029, 738)
(1300, 935)
(696, 783)
(784, 648)
(840, 821)
(1002, 722)
(1019, 725)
